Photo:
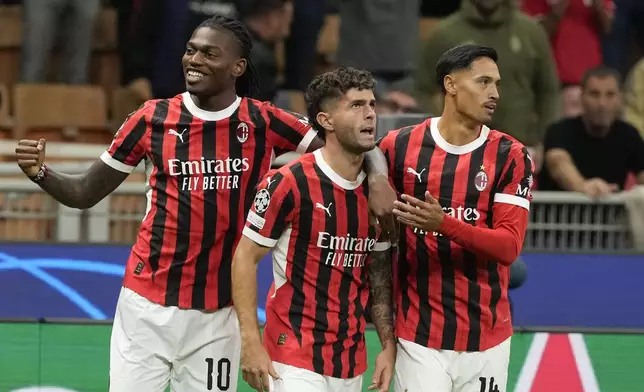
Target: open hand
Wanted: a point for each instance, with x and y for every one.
(257, 367)
(424, 215)
(384, 371)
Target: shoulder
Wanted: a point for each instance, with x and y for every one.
(625, 130)
(516, 148)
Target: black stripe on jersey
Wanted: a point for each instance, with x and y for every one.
(210, 222)
(124, 150)
(502, 156)
(323, 280)
(258, 155)
(422, 252)
(158, 223)
(359, 313)
(175, 272)
(401, 144)
(448, 279)
(301, 247)
(284, 130)
(224, 289)
(287, 206)
(351, 202)
(470, 269)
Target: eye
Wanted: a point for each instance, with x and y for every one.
(190, 51)
(356, 106)
(211, 55)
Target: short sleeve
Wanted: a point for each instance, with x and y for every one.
(128, 146)
(556, 137)
(387, 145)
(535, 7)
(288, 131)
(515, 185)
(272, 210)
(635, 147)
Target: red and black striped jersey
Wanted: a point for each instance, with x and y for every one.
(318, 226)
(202, 168)
(448, 296)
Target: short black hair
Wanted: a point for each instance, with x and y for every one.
(246, 85)
(601, 72)
(252, 8)
(459, 58)
(333, 85)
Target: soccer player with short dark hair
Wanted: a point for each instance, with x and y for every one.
(205, 151)
(466, 192)
(313, 214)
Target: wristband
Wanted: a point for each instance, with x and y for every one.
(41, 175)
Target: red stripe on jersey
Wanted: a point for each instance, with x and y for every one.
(411, 161)
(461, 282)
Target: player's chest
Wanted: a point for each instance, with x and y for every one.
(223, 148)
(457, 182)
(337, 225)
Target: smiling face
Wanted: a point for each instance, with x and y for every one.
(212, 62)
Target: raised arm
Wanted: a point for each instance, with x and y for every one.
(86, 189)
(73, 190)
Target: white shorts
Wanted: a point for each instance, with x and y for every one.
(153, 345)
(294, 379)
(422, 369)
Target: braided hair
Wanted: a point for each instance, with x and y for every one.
(246, 85)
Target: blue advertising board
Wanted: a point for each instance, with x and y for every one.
(83, 281)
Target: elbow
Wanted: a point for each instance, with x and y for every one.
(511, 253)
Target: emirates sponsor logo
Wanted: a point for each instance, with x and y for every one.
(209, 174)
(347, 251)
(465, 214)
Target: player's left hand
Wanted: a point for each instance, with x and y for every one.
(384, 371)
(425, 215)
(381, 203)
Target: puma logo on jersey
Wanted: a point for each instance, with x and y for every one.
(177, 134)
(269, 181)
(322, 207)
(414, 172)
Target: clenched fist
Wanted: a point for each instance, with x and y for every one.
(30, 155)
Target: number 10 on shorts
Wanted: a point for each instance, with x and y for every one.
(491, 387)
(223, 373)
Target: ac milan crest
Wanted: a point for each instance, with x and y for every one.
(480, 181)
(242, 132)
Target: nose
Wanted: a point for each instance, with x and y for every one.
(494, 93)
(195, 59)
(371, 112)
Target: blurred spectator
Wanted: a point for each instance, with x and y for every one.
(634, 97)
(47, 20)
(529, 88)
(380, 36)
(593, 153)
(629, 18)
(575, 28)
(301, 49)
(269, 22)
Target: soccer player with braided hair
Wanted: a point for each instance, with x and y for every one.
(204, 151)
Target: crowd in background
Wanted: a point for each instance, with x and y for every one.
(572, 87)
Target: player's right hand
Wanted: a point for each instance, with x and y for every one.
(257, 367)
(30, 155)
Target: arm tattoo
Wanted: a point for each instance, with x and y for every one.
(83, 190)
(380, 281)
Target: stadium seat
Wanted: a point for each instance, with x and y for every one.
(10, 41)
(43, 110)
(27, 217)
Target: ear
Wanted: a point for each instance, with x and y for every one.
(450, 84)
(240, 67)
(324, 119)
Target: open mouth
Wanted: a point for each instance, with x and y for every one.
(193, 75)
(490, 106)
(368, 131)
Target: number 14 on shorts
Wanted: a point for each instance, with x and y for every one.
(488, 386)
